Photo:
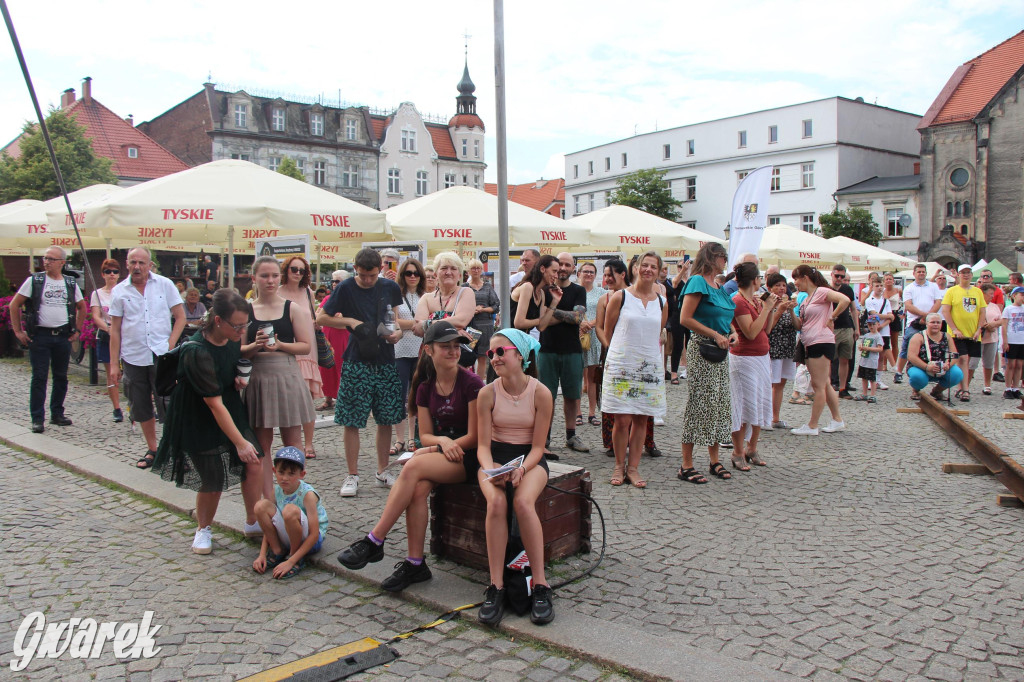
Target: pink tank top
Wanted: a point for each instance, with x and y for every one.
(513, 423)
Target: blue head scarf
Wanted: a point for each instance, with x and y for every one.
(523, 342)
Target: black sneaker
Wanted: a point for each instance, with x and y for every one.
(1009, 394)
(37, 427)
(406, 574)
(998, 376)
(845, 395)
(493, 607)
(118, 416)
(652, 452)
(60, 420)
(360, 553)
(541, 611)
(897, 378)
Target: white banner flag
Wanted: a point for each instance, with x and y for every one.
(750, 213)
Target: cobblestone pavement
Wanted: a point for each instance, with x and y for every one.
(851, 556)
(72, 547)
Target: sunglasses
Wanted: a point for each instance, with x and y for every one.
(410, 273)
(838, 276)
(499, 351)
(297, 271)
(111, 272)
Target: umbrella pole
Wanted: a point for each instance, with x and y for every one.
(499, 96)
(108, 249)
(231, 256)
(319, 258)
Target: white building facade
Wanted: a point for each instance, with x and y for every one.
(815, 148)
(894, 204)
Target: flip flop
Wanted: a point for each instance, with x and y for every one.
(310, 452)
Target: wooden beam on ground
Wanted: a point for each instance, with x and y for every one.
(910, 410)
(1013, 415)
(970, 469)
(1003, 467)
(1008, 501)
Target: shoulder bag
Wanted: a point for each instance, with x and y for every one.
(324, 349)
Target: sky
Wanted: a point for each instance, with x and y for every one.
(577, 73)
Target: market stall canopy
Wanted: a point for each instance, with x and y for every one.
(861, 256)
(26, 223)
(789, 247)
(931, 267)
(1000, 273)
(224, 199)
(467, 217)
(628, 228)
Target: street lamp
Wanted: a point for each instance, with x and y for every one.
(1018, 246)
(728, 227)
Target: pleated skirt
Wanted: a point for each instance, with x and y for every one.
(277, 394)
(750, 384)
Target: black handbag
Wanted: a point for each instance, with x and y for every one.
(167, 371)
(712, 352)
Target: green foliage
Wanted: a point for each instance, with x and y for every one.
(648, 191)
(31, 175)
(289, 168)
(855, 223)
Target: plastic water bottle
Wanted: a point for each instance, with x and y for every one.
(389, 320)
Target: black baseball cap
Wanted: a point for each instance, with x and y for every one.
(441, 331)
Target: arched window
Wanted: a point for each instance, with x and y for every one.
(967, 209)
(949, 208)
(956, 209)
(963, 229)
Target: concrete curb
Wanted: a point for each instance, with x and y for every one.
(642, 655)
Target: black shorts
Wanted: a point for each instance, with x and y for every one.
(886, 342)
(869, 373)
(820, 350)
(503, 453)
(968, 347)
(1015, 351)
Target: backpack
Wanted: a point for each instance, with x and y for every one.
(167, 371)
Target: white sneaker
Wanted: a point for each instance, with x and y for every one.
(252, 530)
(387, 478)
(351, 486)
(804, 430)
(682, 373)
(834, 426)
(659, 421)
(881, 386)
(203, 544)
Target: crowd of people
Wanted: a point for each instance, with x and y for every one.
(457, 395)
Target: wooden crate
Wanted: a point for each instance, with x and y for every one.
(457, 518)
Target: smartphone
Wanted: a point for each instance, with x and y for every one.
(686, 257)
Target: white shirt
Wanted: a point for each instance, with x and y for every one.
(923, 297)
(146, 321)
(879, 305)
(53, 307)
(1014, 316)
(515, 279)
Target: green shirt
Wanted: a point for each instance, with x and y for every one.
(715, 310)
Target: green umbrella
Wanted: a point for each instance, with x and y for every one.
(1000, 273)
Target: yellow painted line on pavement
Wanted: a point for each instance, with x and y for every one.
(323, 658)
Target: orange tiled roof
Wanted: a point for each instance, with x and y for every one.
(380, 124)
(442, 140)
(468, 120)
(974, 84)
(547, 196)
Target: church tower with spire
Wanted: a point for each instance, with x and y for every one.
(466, 127)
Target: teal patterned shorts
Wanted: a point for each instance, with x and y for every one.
(368, 387)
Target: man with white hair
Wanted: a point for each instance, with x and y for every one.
(54, 318)
(526, 263)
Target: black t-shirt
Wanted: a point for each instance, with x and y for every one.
(366, 305)
(564, 337)
(845, 319)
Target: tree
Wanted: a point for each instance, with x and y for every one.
(288, 167)
(855, 223)
(31, 175)
(648, 191)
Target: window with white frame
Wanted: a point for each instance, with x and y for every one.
(240, 112)
(133, 152)
(742, 139)
(892, 222)
(350, 129)
(320, 173)
(808, 127)
(607, 163)
(774, 220)
(625, 160)
(590, 167)
(350, 176)
(776, 179)
(274, 163)
(807, 222)
(465, 180)
(807, 175)
(576, 205)
(575, 171)
(692, 224)
(408, 140)
(301, 164)
(607, 197)
(449, 180)
(476, 149)
(421, 183)
(476, 180)
(394, 181)
(240, 157)
(465, 149)
(690, 147)
(773, 134)
(740, 175)
(316, 124)
(666, 151)
(590, 202)
(691, 189)
(277, 119)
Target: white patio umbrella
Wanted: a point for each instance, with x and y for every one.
(625, 227)
(26, 223)
(216, 202)
(861, 256)
(460, 217)
(789, 247)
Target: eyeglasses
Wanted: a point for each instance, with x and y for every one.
(410, 273)
(297, 271)
(239, 328)
(111, 272)
(499, 351)
(47, 259)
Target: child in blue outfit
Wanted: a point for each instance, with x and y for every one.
(296, 520)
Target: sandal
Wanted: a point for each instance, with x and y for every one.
(633, 476)
(915, 397)
(594, 421)
(146, 460)
(872, 399)
(718, 470)
(579, 420)
(737, 463)
(799, 401)
(294, 570)
(310, 452)
(674, 380)
(397, 449)
(860, 398)
(273, 560)
(691, 475)
(617, 476)
(965, 396)
(756, 460)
